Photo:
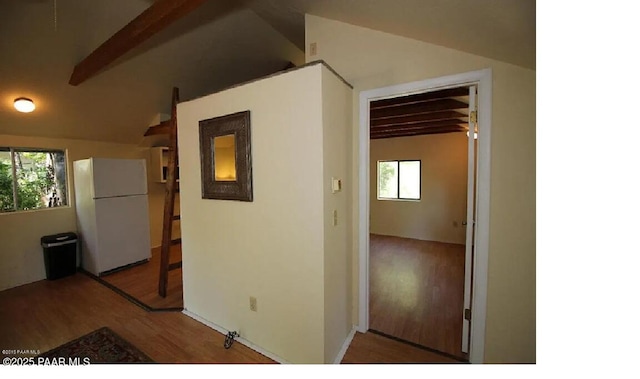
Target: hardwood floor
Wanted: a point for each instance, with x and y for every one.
(46, 314)
(416, 291)
(373, 348)
(141, 281)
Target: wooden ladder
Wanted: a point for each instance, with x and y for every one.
(169, 200)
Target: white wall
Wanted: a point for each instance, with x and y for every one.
(371, 59)
(274, 247)
(21, 257)
(439, 214)
(336, 114)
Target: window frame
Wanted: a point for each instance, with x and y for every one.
(398, 198)
(19, 149)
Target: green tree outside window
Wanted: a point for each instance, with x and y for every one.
(40, 179)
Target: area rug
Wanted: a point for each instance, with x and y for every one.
(100, 346)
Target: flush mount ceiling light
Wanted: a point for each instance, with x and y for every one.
(24, 105)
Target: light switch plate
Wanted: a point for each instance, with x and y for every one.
(336, 185)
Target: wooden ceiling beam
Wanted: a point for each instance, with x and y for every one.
(155, 18)
(421, 97)
(416, 132)
(418, 108)
(425, 125)
(418, 118)
(420, 114)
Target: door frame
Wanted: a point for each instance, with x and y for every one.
(483, 79)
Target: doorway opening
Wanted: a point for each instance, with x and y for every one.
(432, 287)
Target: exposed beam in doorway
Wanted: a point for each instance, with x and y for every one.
(443, 111)
(421, 125)
(155, 18)
(418, 118)
(420, 98)
(417, 108)
(418, 132)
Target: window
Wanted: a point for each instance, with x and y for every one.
(399, 180)
(32, 179)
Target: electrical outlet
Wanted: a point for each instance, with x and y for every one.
(313, 49)
(253, 304)
(335, 217)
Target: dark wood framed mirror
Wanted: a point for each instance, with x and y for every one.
(225, 157)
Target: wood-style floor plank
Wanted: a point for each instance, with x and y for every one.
(141, 281)
(46, 314)
(416, 291)
(373, 348)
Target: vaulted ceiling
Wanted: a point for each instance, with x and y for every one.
(504, 30)
(221, 43)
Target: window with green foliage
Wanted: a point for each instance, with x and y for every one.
(32, 179)
(399, 180)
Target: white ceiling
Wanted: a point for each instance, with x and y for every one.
(222, 43)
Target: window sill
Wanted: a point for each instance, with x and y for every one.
(34, 210)
(407, 200)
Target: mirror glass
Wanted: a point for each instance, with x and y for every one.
(224, 155)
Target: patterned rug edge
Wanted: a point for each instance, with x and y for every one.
(112, 348)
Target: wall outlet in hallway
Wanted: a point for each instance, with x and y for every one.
(253, 304)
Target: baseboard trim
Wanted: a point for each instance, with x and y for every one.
(345, 346)
(241, 340)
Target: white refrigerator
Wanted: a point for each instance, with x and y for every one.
(112, 211)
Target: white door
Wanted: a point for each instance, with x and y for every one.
(471, 197)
